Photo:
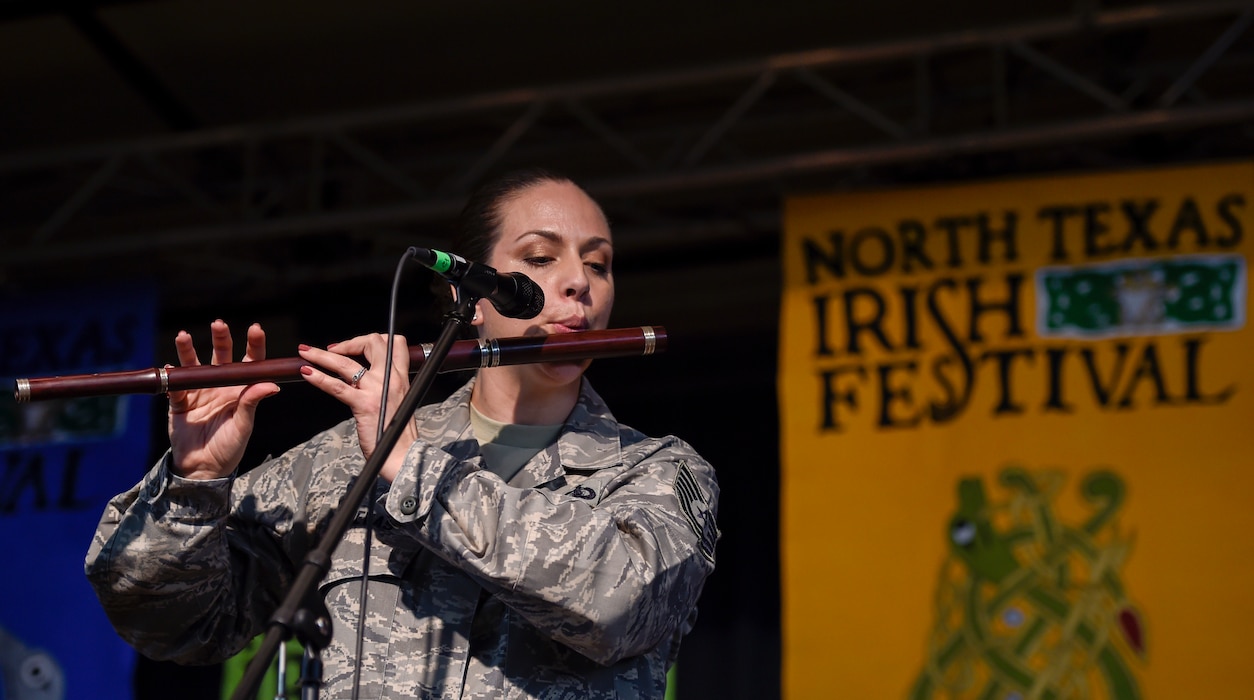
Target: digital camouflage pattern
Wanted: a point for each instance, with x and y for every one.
(577, 579)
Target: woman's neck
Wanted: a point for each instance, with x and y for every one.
(504, 394)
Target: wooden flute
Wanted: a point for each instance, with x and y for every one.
(465, 354)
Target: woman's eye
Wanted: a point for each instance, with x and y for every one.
(538, 260)
(599, 268)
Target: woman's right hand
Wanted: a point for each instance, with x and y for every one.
(209, 428)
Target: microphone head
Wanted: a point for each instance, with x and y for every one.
(526, 301)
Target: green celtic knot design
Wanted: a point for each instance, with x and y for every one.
(1029, 608)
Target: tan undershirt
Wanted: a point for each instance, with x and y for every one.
(506, 447)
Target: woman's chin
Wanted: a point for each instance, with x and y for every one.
(562, 373)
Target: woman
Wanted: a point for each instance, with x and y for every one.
(526, 544)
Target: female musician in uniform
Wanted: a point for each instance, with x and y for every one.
(524, 544)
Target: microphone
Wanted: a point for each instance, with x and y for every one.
(514, 294)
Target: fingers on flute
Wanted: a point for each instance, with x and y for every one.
(328, 360)
(256, 349)
(222, 343)
(358, 345)
(186, 349)
(373, 347)
(330, 384)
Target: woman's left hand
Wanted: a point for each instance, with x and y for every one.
(361, 387)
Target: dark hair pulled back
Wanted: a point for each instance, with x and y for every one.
(479, 224)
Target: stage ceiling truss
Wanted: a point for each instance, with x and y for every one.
(681, 159)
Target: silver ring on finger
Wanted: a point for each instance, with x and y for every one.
(357, 377)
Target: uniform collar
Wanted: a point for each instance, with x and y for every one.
(589, 439)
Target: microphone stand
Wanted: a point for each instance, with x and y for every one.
(303, 612)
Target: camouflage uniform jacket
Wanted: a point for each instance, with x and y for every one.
(575, 580)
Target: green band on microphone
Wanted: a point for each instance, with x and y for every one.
(443, 261)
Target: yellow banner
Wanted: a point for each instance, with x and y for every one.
(1017, 439)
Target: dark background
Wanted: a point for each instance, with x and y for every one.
(270, 160)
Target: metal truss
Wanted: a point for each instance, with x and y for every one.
(677, 158)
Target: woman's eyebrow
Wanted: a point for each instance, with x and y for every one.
(597, 242)
(541, 233)
(555, 237)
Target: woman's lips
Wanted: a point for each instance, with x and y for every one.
(570, 325)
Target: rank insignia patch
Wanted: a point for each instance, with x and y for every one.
(696, 508)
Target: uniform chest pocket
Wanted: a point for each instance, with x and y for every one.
(390, 556)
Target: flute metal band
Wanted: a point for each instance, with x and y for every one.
(464, 355)
(650, 340)
(495, 360)
(485, 353)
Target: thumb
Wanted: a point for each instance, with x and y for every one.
(253, 395)
(177, 399)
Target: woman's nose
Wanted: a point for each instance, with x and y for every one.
(574, 280)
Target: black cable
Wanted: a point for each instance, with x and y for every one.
(383, 404)
(301, 611)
